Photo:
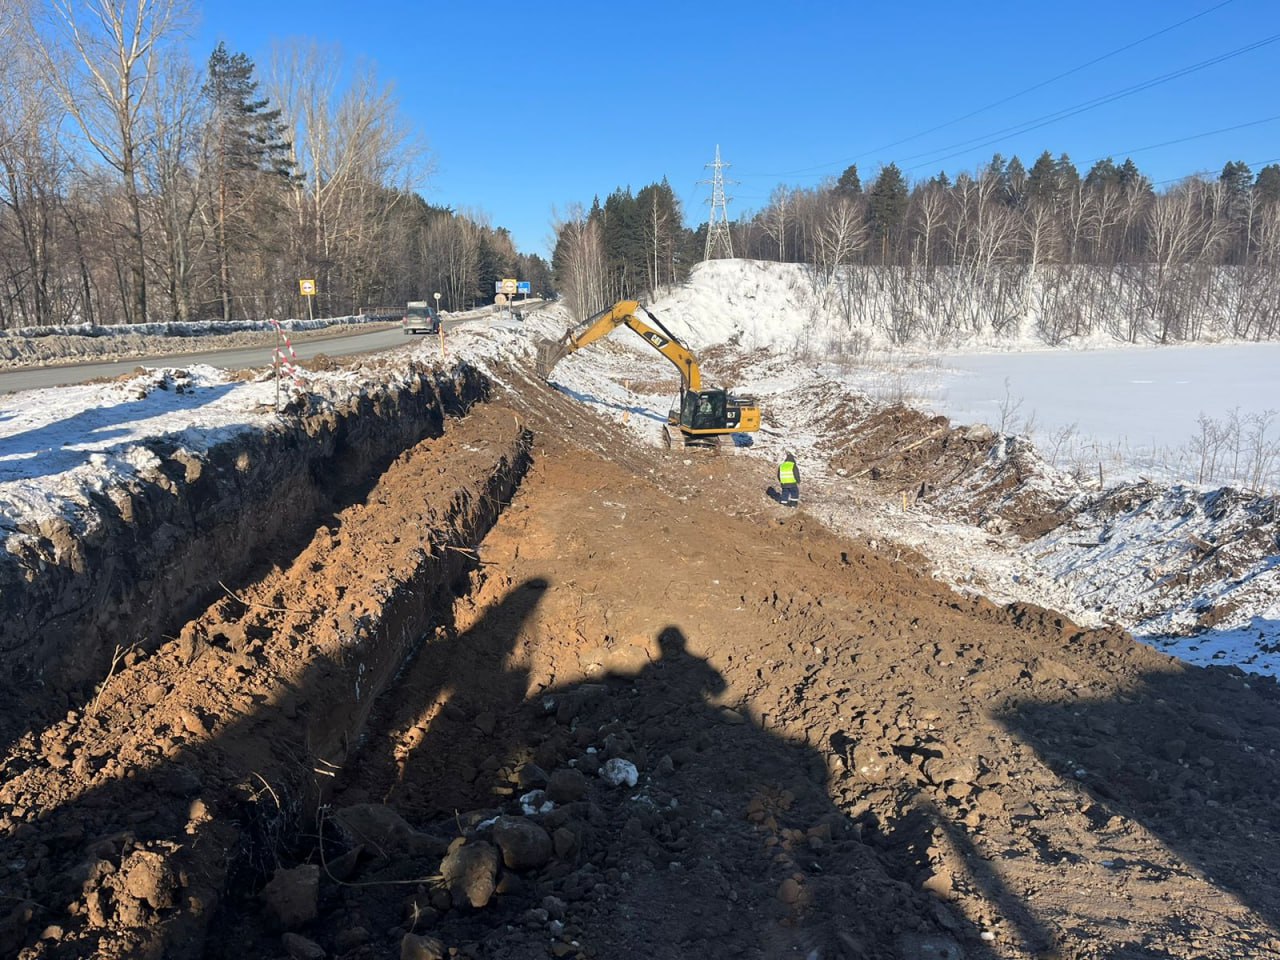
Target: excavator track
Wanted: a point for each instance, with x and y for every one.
(676, 439)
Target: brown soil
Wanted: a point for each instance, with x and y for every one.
(836, 756)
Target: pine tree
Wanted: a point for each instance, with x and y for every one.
(1102, 174)
(1042, 181)
(887, 199)
(1237, 178)
(1267, 186)
(624, 248)
(248, 155)
(1067, 176)
(1132, 179)
(849, 185)
(1015, 184)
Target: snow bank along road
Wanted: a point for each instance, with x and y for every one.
(348, 341)
(448, 664)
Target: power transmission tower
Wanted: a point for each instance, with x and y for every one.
(719, 243)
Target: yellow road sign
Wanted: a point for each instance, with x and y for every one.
(308, 287)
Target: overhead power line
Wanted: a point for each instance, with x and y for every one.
(966, 146)
(1054, 79)
(1195, 136)
(1256, 164)
(1003, 100)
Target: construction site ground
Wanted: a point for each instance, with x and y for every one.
(656, 714)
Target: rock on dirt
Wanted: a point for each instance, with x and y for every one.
(292, 896)
(470, 872)
(524, 844)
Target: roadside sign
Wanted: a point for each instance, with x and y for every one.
(509, 286)
(307, 287)
(524, 286)
(500, 299)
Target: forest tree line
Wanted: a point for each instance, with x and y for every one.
(946, 258)
(137, 184)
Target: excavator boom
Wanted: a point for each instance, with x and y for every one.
(622, 313)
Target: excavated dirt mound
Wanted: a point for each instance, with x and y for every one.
(653, 714)
(898, 450)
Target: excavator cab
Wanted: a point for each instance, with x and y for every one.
(703, 410)
(703, 416)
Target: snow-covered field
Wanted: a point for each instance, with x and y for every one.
(1151, 411)
(1109, 564)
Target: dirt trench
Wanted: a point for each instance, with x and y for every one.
(78, 596)
(651, 714)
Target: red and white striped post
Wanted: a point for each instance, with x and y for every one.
(284, 362)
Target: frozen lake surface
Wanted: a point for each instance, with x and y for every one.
(1131, 408)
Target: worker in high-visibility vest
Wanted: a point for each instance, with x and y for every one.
(789, 478)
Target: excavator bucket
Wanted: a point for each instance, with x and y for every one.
(550, 352)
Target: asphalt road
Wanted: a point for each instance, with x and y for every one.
(232, 358)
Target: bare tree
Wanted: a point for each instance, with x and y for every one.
(777, 218)
(100, 58)
(355, 156)
(1173, 222)
(176, 120)
(841, 233)
(32, 170)
(580, 263)
(929, 212)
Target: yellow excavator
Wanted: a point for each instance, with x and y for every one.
(701, 415)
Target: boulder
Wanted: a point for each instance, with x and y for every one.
(470, 872)
(292, 896)
(566, 785)
(147, 876)
(383, 832)
(414, 946)
(300, 948)
(524, 844)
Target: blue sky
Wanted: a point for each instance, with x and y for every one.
(530, 108)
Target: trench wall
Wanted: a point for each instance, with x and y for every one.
(70, 600)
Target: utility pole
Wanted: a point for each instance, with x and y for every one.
(719, 244)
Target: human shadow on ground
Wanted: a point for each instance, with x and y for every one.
(725, 844)
(774, 494)
(1190, 754)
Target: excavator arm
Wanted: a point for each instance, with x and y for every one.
(622, 313)
(700, 416)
